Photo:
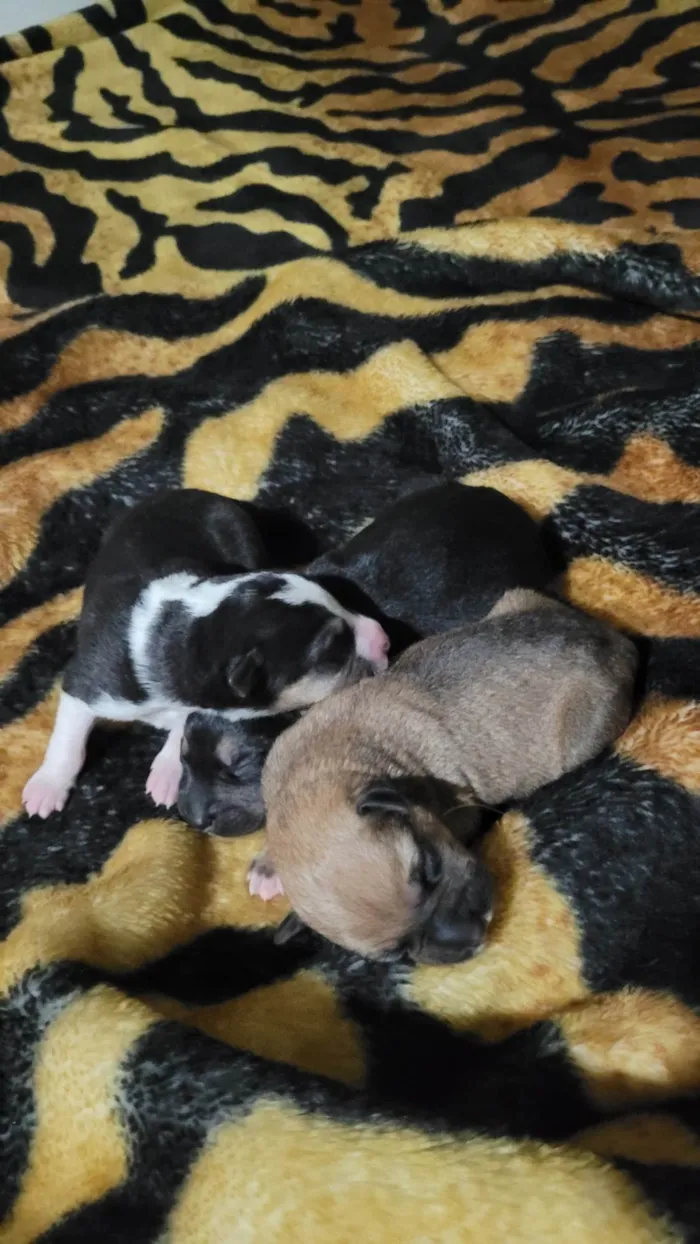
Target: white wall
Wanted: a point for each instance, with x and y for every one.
(16, 14)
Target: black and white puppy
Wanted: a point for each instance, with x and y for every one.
(178, 616)
(222, 763)
(437, 559)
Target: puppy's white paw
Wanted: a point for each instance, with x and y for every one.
(263, 881)
(164, 779)
(45, 793)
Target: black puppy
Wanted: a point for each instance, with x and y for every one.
(433, 560)
(437, 559)
(177, 616)
(222, 764)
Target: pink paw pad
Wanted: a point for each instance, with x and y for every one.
(263, 881)
(44, 793)
(164, 780)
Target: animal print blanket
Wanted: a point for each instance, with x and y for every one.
(304, 252)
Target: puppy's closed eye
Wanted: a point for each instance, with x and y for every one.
(243, 671)
(382, 797)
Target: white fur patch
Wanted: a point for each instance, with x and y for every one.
(164, 714)
(161, 713)
(200, 597)
(47, 789)
(109, 708)
(300, 591)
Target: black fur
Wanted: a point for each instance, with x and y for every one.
(435, 559)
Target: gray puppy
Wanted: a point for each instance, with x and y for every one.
(374, 795)
(222, 764)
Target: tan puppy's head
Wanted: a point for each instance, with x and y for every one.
(370, 863)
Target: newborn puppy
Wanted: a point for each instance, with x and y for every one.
(177, 616)
(374, 795)
(436, 559)
(222, 763)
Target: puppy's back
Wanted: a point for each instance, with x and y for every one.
(442, 556)
(179, 529)
(532, 694)
(182, 529)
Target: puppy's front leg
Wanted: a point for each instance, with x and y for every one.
(263, 881)
(164, 778)
(47, 790)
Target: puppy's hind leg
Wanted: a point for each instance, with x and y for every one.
(47, 790)
(164, 778)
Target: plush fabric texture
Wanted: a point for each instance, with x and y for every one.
(306, 253)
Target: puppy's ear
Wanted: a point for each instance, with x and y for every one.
(242, 672)
(383, 796)
(326, 637)
(290, 927)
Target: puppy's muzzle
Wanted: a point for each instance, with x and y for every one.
(371, 642)
(241, 813)
(455, 929)
(195, 808)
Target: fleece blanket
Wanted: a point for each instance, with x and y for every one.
(305, 253)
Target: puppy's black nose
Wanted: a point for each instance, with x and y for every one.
(456, 929)
(196, 813)
(449, 942)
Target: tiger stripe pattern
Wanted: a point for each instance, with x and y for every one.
(305, 253)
